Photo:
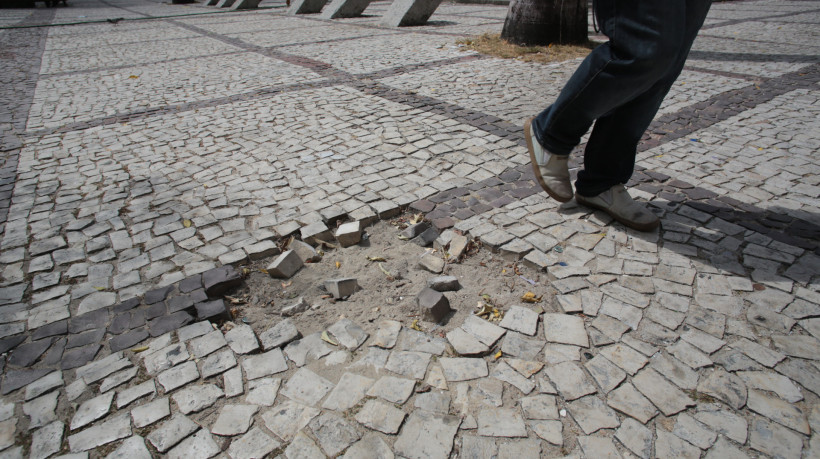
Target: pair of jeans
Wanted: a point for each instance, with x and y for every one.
(620, 86)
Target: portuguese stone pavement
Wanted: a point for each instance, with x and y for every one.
(149, 148)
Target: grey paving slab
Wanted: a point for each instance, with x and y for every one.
(287, 418)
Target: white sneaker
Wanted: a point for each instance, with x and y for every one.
(617, 202)
(551, 171)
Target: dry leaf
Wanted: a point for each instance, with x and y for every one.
(133, 77)
(187, 223)
(287, 284)
(338, 264)
(139, 349)
(530, 297)
(386, 272)
(326, 337)
(263, 271)
(497, 355)
(415, 325)
(376, 259)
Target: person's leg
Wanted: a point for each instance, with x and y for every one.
(643, 36)
(644, 39)
(609, 157)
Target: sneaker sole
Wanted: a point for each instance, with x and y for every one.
(636, 226)
(535, 170)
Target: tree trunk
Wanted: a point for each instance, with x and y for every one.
(541, 22)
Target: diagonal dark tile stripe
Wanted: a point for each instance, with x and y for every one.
(16, 93)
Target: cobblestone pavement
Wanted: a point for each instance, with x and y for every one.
(145, 156)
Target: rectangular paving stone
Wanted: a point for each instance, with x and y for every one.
(46, 440)
(41, 410)
(46, 383)
(503, 372)
(392, 389)
(501, 422)
(263, 391)
(540, 406)
(777, 410)
(103, 433)
(416, 341)
(200, 444)
(675, 371)
(635, 437)
(178, 376)
(126, 396)
(151, 412)
(520, 319)
(409, 364)
(196, 397)
(217, 363)
(91, 410)
(570, 380)
(242, 339)
(427, 435)
(387, 335)
(606, 374)
(165, 358)
(334, 433)
(669, 399)
(254, 444)
(280, 334)
(288, 418)
(204, 345)
(194, 330)
(592, 414)
(306, 387)
(518, 345)
(172, 432)
(625, 357)
(101, 368)
(348, 392)
(629, 401)
(565, 329)
(687, 428)
(234, 420)
(380, 416)
(266, 364)
(463, 369)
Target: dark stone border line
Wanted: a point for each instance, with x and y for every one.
(407, 30)
(73, 342)
(749, 40)
(748, 57)
(737, 76)
(138, 64)
(726, 105)
(183, 107)
(730, 22)
(29, 45)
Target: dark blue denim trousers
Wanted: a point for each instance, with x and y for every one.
(620, 86)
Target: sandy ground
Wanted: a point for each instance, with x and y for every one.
(481, 273)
